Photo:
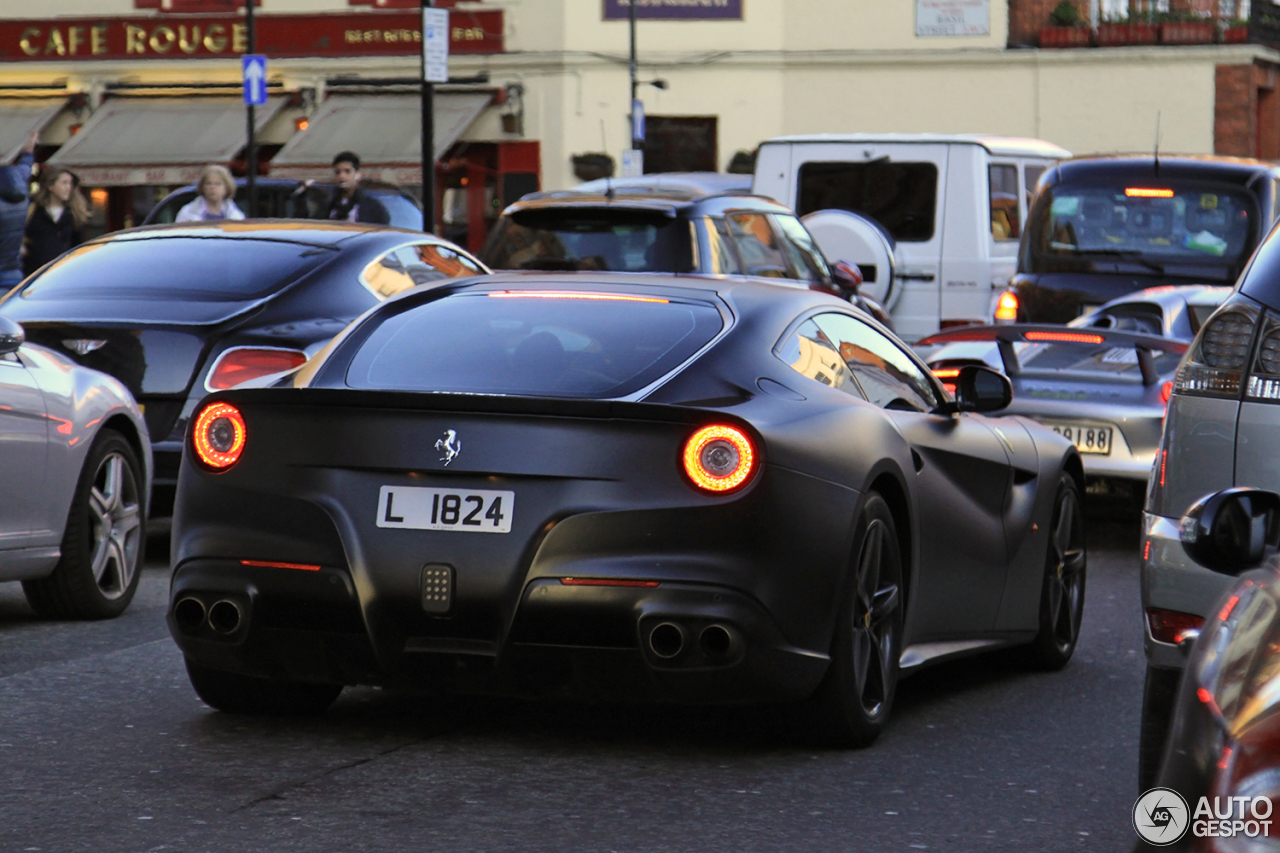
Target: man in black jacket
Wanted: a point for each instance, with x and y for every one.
(350, 202)
(15, 184)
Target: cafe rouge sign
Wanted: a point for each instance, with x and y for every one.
(177, 36)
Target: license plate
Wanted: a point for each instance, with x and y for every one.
(1088, 438)
(459, 510)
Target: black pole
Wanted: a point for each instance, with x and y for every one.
(631, 17)
(428, 136)
(251, 153)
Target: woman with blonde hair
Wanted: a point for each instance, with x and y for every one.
(214, 192)
(57, 213)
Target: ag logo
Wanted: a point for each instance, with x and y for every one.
(450, 445)
(1160, 816)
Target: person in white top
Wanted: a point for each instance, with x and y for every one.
(215, 188)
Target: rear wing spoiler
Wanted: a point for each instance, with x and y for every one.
(1005, 336)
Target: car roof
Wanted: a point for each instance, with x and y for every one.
(315, 232)
(671, 202)
(1009, 146)
(705, 286)
(689, 183)
(1236, 170)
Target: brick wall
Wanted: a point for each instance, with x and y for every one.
(1026, 17)
(1235, 129)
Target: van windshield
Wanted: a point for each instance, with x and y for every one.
(1153, 227)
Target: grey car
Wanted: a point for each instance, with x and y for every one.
(1222, 430)
(75, 475)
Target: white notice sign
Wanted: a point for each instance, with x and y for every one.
(435, 44)
(953, 18)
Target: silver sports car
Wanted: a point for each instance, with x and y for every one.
(75, 474)
(1102, 381)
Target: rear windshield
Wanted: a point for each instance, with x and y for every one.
(200, 269)
(542, 345)
(1148, 227)
(595, 240)
(902, 197)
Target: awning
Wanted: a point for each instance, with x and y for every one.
(385, 131)
(20, 116)
(131, 141)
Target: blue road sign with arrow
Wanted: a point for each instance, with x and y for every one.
(255, 79)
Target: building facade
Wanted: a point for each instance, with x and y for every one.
(136, 95)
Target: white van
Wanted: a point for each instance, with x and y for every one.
(947, 213)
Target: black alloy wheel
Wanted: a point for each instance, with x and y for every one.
(102, 545)
(852, 704)
(1062, 595)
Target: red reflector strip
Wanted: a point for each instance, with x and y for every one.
(1146, 551)
(1164, 460)
(1147, 192)
(1064, 337)
(605, 582)
(272, 564)
(1228, 607)
(1169, 626)
(571, 294)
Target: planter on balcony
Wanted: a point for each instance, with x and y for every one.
(1064, 37)
(1236, 35)
(1186, 32)
(1116, 35)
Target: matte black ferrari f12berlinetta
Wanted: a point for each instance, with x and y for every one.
(618, 487)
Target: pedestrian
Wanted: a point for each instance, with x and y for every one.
(54, 220)
(15, 185)
(350, 201)
(214, 197)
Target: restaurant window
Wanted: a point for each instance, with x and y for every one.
(900, 196)
(1005, 217)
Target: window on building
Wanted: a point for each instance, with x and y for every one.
(1006, 218)
(900, 196)
(680, 144)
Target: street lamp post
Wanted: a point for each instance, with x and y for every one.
(428, 135)
(631, 18)
(251, 152)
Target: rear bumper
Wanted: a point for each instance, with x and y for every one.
(1171, 581)
(580, 642)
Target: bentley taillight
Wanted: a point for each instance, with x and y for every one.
(218, 435)
(1220, 355)
(240, 364)
(719, 458)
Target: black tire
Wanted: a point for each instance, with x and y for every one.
(104, 540)
(243, 694)
(1159, 693)
(850, 707)
(1062, 592)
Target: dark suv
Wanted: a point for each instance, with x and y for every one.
(1106, 226)
(677, 229)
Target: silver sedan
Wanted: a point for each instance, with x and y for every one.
(75, 475)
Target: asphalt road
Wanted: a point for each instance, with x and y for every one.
(104, 747)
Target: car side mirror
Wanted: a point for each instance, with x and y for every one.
(11, 336)
(979, 389)
(1232, 530)
(846, 276)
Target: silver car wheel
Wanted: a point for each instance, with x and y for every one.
(1066, 587)
(114, 514)
(874, 638)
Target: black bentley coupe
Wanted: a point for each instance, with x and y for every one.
(618, 486)
(177, 311)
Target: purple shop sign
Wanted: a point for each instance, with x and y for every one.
(675, 10)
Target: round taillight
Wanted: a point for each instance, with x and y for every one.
(218, 435)
(719, 458)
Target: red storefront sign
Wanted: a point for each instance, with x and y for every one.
(206, 36)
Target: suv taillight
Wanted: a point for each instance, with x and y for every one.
(1220, 355)
(1264, 378)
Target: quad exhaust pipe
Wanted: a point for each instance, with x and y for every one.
(191, 615)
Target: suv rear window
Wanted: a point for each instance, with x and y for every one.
(211, 269)
(597, 240)
(1150, 223)
(534, 343)
(900, 196)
